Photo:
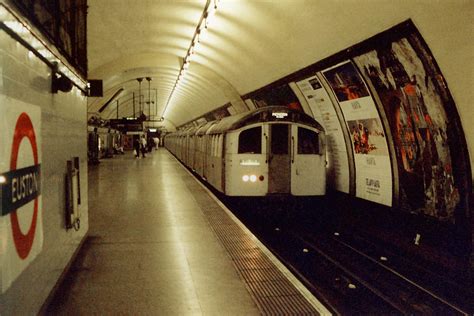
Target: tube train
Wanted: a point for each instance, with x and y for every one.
(268, 151)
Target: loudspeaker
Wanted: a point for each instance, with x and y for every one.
(60, 83)
(96, 88)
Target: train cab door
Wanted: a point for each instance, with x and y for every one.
(278, 157)
(305, 161)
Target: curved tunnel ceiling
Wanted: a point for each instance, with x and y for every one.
(248, 45)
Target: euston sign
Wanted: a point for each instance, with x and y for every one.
(21, 186)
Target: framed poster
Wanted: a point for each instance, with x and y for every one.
(338, 175)
(275, 95)
(373, 172)
(250, 104)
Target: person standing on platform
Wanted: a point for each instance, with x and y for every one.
(94, 147)
(136, 147)
(150, 144)
(143, 145)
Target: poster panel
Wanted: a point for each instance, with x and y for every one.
(231, 110)
(324, 112)
(418, 122)
(220, 113)
(369, 144)
(276, 95)
(21, 229)
(201, 120)
(250, 104)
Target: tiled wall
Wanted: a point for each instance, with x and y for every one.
(64, 135)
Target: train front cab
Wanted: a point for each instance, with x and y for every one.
(246, 170)
(276, 158)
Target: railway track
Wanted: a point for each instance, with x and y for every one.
(349, 274)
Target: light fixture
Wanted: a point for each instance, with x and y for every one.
(209, 11)
(60, 82)
(20, 30)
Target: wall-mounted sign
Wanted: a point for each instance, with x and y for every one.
(21, 229)
(369, 143)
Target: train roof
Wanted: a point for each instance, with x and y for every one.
(264, 114)
(192, 130)
(203, 129)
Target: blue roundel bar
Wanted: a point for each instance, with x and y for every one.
(18, 187)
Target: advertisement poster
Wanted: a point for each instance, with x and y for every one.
(369, 144)
(281, 95)
(21, 229)
(220, 113)
(250, 104)
(418, 123)
(323, 110)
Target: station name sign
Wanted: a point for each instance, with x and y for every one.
(20, 187)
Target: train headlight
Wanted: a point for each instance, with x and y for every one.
(245, 178)
(253, 178)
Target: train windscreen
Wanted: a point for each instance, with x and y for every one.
(250, 141)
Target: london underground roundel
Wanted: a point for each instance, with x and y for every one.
(25, 185)
(21, 231)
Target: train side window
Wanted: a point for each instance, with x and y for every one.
(250, 141)
(308, 142)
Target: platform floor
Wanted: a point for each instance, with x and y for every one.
(159, 244)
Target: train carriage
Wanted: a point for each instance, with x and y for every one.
(267, 151)
(191, 146)
(200, 149)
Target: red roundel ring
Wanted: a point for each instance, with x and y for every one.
(23, 242)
